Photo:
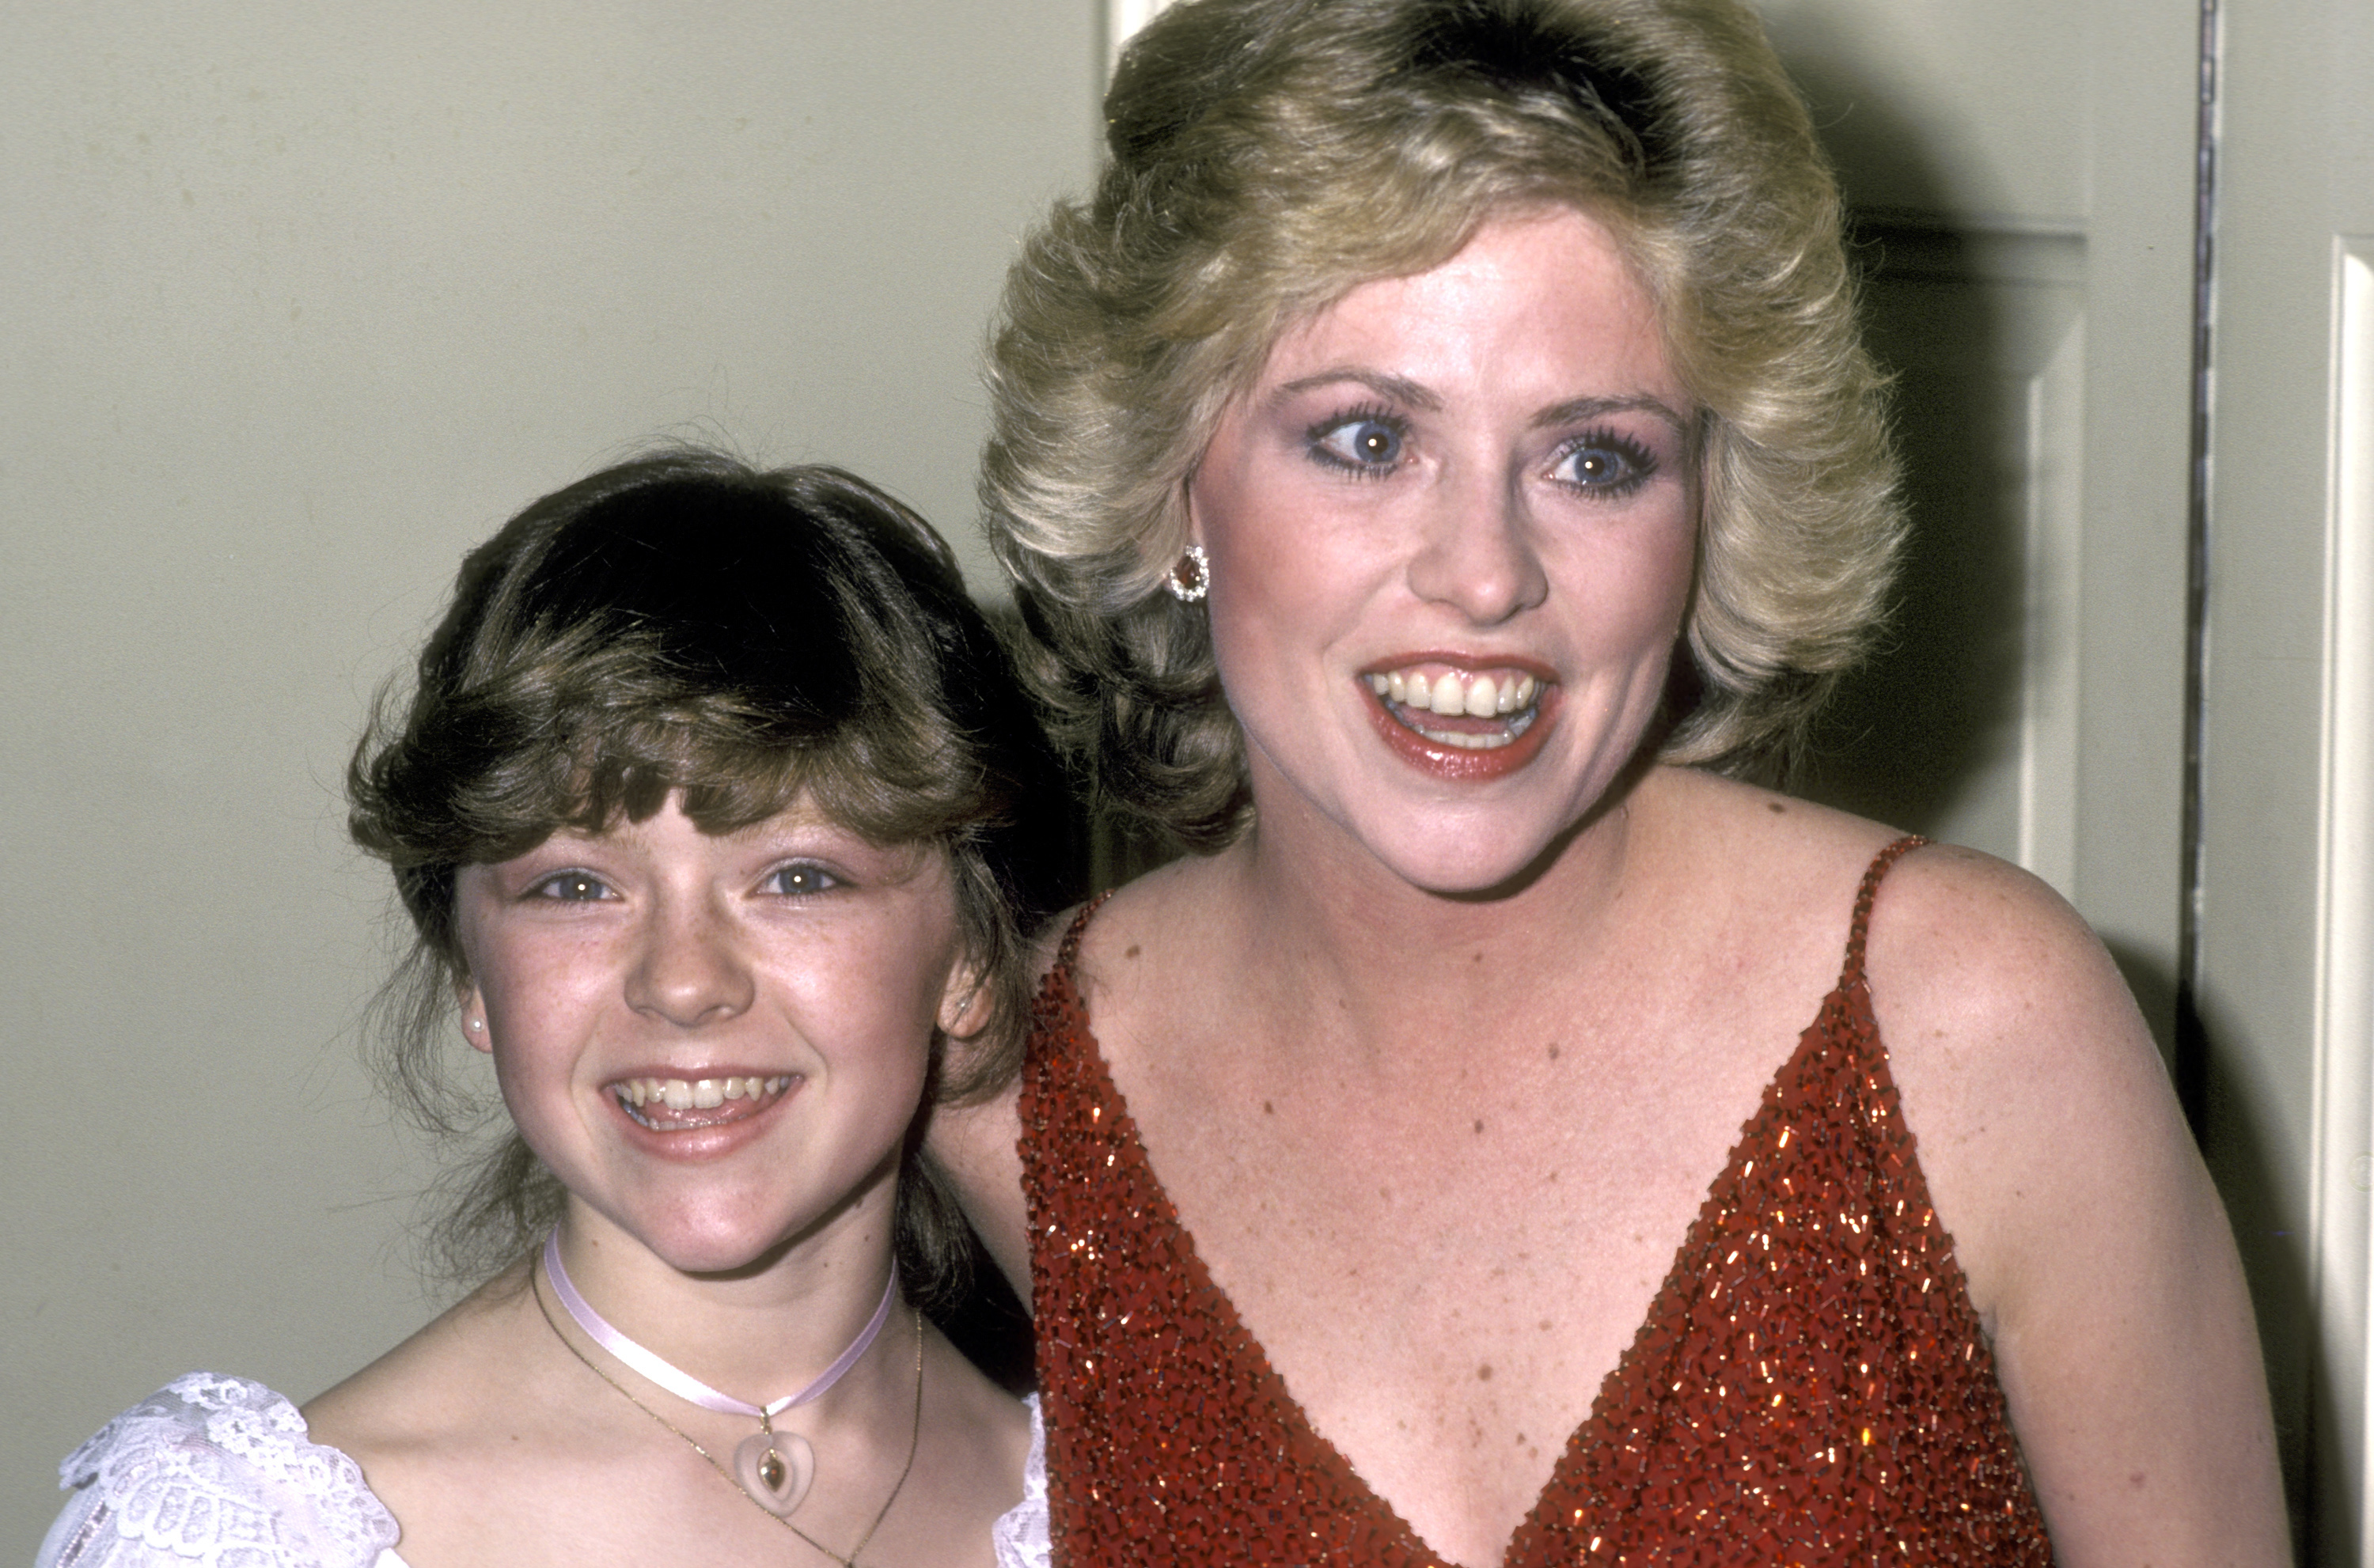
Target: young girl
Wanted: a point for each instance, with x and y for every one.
(717, 813)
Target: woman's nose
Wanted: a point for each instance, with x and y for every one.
(1478, 555)
(689, 970)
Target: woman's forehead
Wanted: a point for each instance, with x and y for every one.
(1523, 284)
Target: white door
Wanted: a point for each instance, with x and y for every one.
(2284, 957)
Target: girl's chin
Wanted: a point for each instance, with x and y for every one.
(712, 1249)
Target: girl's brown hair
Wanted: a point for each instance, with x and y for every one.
(687, 623)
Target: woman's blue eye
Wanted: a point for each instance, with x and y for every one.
(801, 881)
(572, 887)
(1605, 464)
(1363, 442)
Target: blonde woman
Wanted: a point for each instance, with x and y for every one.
(1441, 474)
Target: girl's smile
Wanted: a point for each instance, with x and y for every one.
(715, 1040)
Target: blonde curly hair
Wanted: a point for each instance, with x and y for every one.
(1268, 156)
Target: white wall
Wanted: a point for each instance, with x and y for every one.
(296, 302)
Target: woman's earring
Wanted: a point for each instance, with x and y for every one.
(1191, 579)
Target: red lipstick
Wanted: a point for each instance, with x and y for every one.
(1459, 764)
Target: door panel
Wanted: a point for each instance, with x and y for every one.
(2284, 961)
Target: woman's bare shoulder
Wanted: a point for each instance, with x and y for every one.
(1979, 971)
(1779, 873)
(1149, 917)
(2094, 1245)
(2018, 1050)
(1737, 821)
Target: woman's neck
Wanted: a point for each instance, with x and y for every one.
(1377, 957)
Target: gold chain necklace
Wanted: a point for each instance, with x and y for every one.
(914, 1435)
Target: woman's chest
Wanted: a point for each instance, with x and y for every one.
(1810, 1350)
(1442, 1278)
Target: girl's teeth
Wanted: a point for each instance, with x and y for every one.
(698, 1094)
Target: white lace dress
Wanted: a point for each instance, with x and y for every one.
(214, 1472)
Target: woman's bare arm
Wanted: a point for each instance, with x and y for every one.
(975, 1146)
(2097, 1253)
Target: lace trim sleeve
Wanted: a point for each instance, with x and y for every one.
(1020, 1533)
(214, 1472)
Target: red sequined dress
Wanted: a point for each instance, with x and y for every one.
(1811, 1387)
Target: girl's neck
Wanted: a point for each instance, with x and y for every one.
(757, 1333)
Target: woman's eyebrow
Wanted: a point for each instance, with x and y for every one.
(1400, 389)
(1580, 408)
(1413, 395)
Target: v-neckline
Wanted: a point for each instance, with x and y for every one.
(1664, 1306)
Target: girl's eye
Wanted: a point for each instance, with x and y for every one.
(1362, 443)
(1604, 464)
(573, 887)
(799, 881)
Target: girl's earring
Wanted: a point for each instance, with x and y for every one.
(1191, 579)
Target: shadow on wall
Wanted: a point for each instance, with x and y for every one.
(1905, 740)
(1907, 734)
(2233, 1136)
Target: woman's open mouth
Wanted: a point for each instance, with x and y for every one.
(680, 1105)
(1472, 710)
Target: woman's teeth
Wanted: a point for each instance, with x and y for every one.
(1412, 697)
(1482, 698)
(692, 1094)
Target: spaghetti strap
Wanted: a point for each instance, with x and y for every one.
(1067, 956)
(1852, 975)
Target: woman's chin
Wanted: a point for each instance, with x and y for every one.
(1476, 859)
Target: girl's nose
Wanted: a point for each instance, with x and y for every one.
(690, 971)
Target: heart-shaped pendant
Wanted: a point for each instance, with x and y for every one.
(775, 1468)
